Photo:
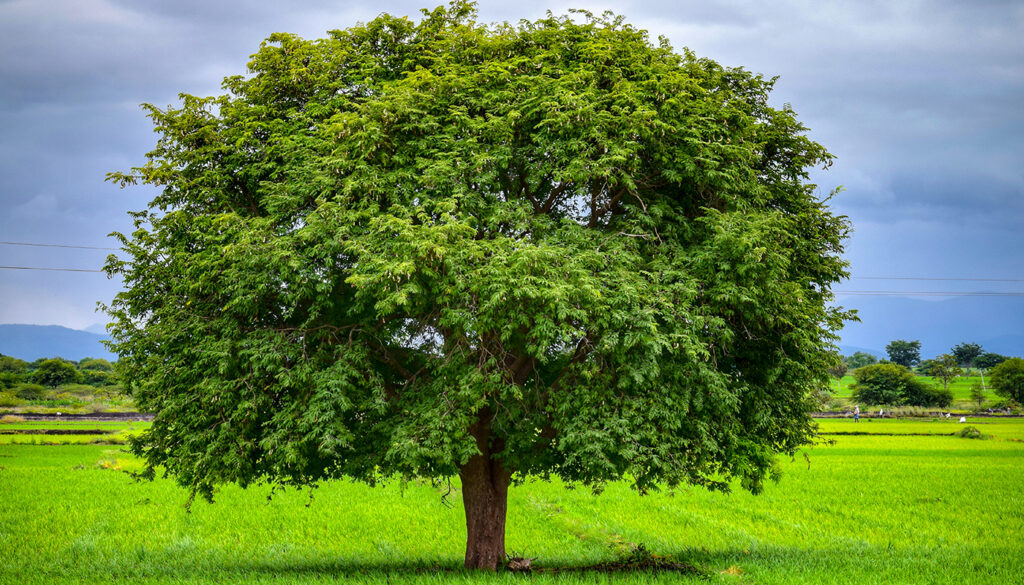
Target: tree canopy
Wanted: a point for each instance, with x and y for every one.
(944, 367)
(903, 352)
(895, 385)
(1008, 379)
(859, 359)
(989, 360)
(966, 353)
(443, 248)
(56, 371)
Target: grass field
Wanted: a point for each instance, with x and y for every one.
(906, 503)
(960, 386)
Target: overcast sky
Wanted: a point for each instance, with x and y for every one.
(922, 102)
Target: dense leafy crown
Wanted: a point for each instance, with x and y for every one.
(606, 249)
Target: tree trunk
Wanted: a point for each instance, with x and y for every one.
(485, 484)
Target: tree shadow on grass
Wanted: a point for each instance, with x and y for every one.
(653, 569)
(860, 562)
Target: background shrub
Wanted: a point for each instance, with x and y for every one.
(880, 384)
(29, 391)
(9, 399)
(1008, 379)
(918, 393)
(895, 385)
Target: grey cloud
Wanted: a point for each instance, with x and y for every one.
(920, 101)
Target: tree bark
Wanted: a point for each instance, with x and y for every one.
(485, 484)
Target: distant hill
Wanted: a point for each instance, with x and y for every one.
(852, 349)
(30, 342)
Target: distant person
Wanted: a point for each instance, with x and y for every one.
(856, 413)
(963, 419)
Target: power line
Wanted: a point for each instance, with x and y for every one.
(945, 279)
(914, 278)
(57, 246)
(51, 269)
(928, 293)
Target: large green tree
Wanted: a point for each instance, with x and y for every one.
(903, 352)
(444, 249)
(944, 367)
(965, 354)
(989, 360)
(860, 359)
(56, 371)
(1008, 379)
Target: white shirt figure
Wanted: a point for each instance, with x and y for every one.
(963, 419)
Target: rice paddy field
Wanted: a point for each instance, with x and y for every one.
(886, 501)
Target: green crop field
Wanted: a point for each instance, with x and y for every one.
(907, 502)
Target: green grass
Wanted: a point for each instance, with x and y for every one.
(960, 386)
(115, 432)
(880, 508)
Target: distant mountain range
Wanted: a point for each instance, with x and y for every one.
(30, 342)
(995, 323)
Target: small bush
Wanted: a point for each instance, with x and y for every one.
(9, 399)
(11, 418)
(10, 379)
(29, 391)
(64, 399)
(77, 389)
(971, 433)
(929, 396)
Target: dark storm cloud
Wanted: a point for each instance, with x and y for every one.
(920, 101)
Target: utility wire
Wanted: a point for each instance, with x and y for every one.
(57, 246)
(928, 293)
(922, 278)
(929, 278)
(52, 269)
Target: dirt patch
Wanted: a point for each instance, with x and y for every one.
(94, 416)
(889, 434)
(56, 432)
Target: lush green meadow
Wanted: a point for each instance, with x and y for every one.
(907, 503)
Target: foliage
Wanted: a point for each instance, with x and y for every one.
(9, 379)
(944, 367)
(98, 377)
(56, 371)
(966, 353)
(860, 359)
(96, 364)
(892, 384)
(550, 247)
(978, 394)
(989, 360)
(917, 393)
(1007, 379)
(29, 391)
(903, 352)
(12, 365)
(838, 371)
(9, 399)
(972, 433)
